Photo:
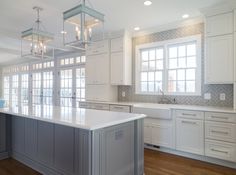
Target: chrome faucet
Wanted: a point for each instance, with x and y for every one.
(164, 99)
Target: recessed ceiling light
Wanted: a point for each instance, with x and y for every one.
(147, 3)
(137, 28)
(185, 16)
(63, 32)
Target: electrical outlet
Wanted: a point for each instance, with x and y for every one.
(123, 94)
(222, 96)
(207, 96)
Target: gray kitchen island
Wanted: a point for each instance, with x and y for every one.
(63, 140)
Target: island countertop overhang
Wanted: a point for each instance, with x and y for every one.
(87, 119)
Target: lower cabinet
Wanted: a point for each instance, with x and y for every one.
(190, 135)
(159, 132)
(3, 133)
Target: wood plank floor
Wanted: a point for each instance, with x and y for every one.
(156, 163)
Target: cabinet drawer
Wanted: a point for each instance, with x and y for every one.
(84, 105)
(221, 150)
(190, 114)
(220, 117)
(120, 108)
(220, 131)
(98, 47)
(99, 106)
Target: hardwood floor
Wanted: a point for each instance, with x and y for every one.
(156, 163)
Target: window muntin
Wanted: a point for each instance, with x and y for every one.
(24, 89)
(36, 88)
(171, 66)
(15, 90)
(6, 89)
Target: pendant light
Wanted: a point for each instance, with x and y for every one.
(36, 39)
(79, 24)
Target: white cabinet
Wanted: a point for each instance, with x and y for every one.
(97, 69)
(98, 47)
(219, 60)
(190, 135)
(121, 61)
(120, 108)
(219, 24)
(159, 132)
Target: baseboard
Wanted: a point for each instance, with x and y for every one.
(4, 155)
(37, 166)
(194, 156)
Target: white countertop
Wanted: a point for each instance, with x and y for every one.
(73, 117)
(172, 106)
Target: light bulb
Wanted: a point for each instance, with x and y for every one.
(90, 33)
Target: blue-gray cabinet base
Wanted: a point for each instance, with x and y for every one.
(56, 149)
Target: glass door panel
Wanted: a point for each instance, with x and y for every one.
(47, 95)
(66, 92)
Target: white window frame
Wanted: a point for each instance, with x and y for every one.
(165, 45)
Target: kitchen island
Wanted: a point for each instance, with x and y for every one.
(73, 141)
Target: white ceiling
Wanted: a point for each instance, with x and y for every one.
(17, 15)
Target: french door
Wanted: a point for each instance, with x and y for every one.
(72, 86)
(42, 88)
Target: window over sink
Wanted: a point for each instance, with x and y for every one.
(172, 66)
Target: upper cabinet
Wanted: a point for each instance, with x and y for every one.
(219, 61)
(121, 60)
(219, 24)
(98, 47)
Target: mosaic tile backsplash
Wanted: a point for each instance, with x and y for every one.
(215, 90)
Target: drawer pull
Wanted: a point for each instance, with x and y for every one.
(187, 114)
(225, 118)
(220, 132)
(189, 122)
(215, 150)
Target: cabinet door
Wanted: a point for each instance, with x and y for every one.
(31, 138)
(3, 133)
(219, 59)
(189, 136)
(64, 148)
(162, 135)
(219, 24)
(98, 47)
(117, 68)
(97, 69)
(45, 143)
(147, 133)
(117, 44)
(18, 134)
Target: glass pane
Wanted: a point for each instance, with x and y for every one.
(190, 86)
(191, 49)
(181, 86)
(145, 55)
(144, 76)
(182, 51)
(151, 65)
(158, 86)
(191, 62)
(159, 64)
(158, 76)
(145, 66)
(172, 86)
(181, 74)
(182, 62)
(172, 75)
(151, 86)
(152, 55)
(190, 74)
(159, 54)
(144, 86)
(151, 76)
(172, 63)
(173, 52)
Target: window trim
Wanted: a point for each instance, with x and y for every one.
(165, 44)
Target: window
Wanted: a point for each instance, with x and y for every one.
(36, 88)
(15, 95)
(80, 85)
(24, 89)
(47, 88)
(66, 88)
(173, 67)
(6, 89)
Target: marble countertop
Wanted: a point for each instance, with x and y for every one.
(173, 106)
(74, 117)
